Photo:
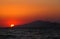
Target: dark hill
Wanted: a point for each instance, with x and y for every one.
(39, 24)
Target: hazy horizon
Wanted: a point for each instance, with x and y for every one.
(25, 11)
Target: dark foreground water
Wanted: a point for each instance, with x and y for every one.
(31, 33)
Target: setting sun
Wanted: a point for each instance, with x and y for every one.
(12, 25)
(20, 12)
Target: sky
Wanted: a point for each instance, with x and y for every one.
(25, 11)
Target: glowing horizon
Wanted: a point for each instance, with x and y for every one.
(23, 11)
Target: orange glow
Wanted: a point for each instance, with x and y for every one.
(12, 22)
(12, 25)
(19, 12)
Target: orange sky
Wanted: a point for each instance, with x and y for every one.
(23, 11)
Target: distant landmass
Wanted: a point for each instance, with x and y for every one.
(39, 24)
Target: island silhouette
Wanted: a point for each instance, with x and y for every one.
(39, 24)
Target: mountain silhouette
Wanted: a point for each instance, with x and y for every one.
(39, 24)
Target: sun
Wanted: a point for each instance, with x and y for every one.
(12, 25)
